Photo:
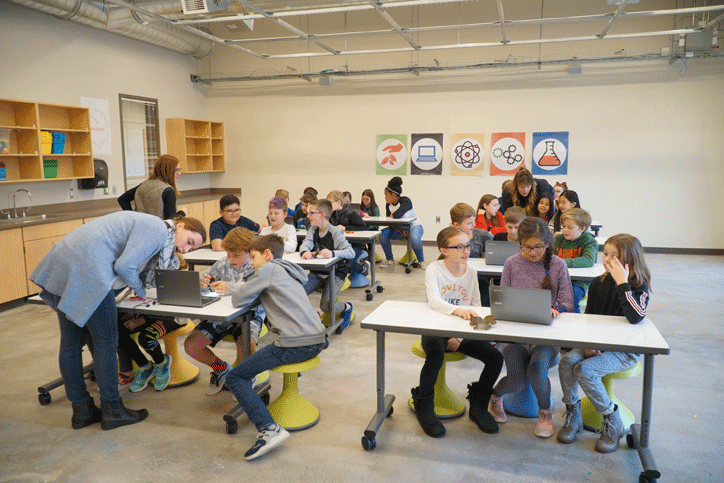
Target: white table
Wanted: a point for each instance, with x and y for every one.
(567, 330)
(577, 274)
(403, 223)
(595, 226)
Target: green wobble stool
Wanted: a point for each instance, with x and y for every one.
(291, 410)
(593, 421)
(406, 257)
(447, 404)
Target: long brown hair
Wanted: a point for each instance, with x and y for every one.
(373, 203)
(631, 253)
(192, 224)
(444, 237)
(532, 227)
(165, 170)
(524, 177)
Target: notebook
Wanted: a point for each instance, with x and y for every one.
(497, 252)
(515, 304)
(181, 287)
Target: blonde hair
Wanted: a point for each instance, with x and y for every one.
(578, 216)
(283, 193)
(237, 240)
(335, 195)
(460, 211)
(514, 215)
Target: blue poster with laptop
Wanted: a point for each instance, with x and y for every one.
(426, 154)
(550, 153)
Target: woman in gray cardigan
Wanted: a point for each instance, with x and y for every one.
(80, 277)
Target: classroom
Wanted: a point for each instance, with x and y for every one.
(645, 157)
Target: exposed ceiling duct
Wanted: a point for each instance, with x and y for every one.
(127, 22)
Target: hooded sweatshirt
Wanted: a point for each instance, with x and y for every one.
(278, 286)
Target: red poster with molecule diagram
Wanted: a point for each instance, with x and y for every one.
(507, 153)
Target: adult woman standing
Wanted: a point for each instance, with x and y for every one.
(524, 191)
(157, 195)
(79, 278)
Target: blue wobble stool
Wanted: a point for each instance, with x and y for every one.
(524, 403)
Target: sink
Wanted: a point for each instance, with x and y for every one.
(28, 219)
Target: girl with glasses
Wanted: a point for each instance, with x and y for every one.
(451, 288)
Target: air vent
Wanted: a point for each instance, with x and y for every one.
(192, 7)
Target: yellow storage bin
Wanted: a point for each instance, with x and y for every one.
(46, 142)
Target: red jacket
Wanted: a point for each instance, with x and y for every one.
(493, 226)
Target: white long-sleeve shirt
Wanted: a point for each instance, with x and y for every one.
(287, 232)
(446, 292)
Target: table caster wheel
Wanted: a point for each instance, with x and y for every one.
(231, 427)
(415, 264)
(645, 479)
(369, 296)
(407, 270)
(266, 399)
(630, 441)
(44, 398)
(338, 330)
(392, 410)
(368, 444)
(380, 288)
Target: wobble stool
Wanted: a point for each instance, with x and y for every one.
(182, 371)
(592, 420)
(447, 404)
(291, 410)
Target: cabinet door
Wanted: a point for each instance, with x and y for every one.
(12, 270)
(211, 212)
(35, 250)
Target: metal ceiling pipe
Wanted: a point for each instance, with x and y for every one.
(120, 21)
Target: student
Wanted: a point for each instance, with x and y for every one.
(369, 206)
(545, 209)
(300, 220)
(307, 191)
(285, 194)
(567, 200)
(462, 216)
(623, 290)
(276, 217)
(489, 218)
(278, 284)
(535, 267)
(577, 247)
(79, 278)
(157, 195)
(347, 197)
(524, 191)
(513, 217)
(325, 240)
(231, 218)
(398, 206)
(233, 269)
(452, 286)
(350, 220)
(559, 188)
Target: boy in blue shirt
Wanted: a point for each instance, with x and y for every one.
(231, 218)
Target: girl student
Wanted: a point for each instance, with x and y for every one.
(451, 287)
(369, 207)
(567, 200)
(545, 208)
(622, 290)
(535, 267)
(156, 195)
(489, 217)
(398, 206)
(79, 278)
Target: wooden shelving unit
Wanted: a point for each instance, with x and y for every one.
(199, 145)
(25, 120)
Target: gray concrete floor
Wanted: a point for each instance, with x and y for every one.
(184, 437)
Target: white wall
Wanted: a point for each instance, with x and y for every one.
(645, 154)
(56, 61)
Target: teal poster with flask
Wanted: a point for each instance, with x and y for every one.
(550, 153)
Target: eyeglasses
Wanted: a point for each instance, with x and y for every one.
(233, 212)
(460, 248)
(531, 249)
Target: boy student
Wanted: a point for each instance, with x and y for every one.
(300, 220)
(233, 269)
(277, 283)
(462, 216)
(276, 216)
(513, 217)
(576, 246)
(230, 218)
(325, 240)
(350, 220)
(285, 194)
(307, 191)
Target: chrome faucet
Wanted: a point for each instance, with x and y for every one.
(15, 209)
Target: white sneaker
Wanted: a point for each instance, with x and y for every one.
(387, 263)
(266, 441)
(422, 265)
(216, 383)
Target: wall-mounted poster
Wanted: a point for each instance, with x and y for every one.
(426, 154)
(392, 154)
(507, 153)
(467, 155)
(100, 119)
(550, 153)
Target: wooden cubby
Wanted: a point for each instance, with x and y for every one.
(25, 120)
(199, 145)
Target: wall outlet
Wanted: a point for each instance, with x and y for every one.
(72, 193)
(105, 191)
(114, 190)
(437, 219)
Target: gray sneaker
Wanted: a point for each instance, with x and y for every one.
(217, 381)
(267, 440)
(612, 432)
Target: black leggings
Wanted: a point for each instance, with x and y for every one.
(484, 351)
(148, 334)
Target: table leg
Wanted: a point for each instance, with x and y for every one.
(333, 323)
(640, 432)
(384, 403)
(374, 284)
(409, 249)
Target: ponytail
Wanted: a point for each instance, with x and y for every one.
(547, 284)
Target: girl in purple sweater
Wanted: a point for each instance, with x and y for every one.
(535, 267)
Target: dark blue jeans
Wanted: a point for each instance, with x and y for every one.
(103, 329)
(269, 357)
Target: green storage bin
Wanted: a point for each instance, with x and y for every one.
(50, 168)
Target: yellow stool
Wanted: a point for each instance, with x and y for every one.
(290, 410)
(592, 420)
(325, 317)
(406, 257)
(182, 371)
(262, 377)
(447, 404)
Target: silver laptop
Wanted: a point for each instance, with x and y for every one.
(497, 252)
(181, 287)
(515, 304)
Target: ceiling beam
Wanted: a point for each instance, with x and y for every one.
(501, 16)
(615, 16)
(378, 6)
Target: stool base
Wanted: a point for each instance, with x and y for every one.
(593, 421)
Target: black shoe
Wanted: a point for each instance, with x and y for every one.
(425, 412)
(478, 412)
(85, 414)
(114, 415)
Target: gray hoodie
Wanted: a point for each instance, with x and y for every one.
(278, 286)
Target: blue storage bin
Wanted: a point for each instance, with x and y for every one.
(58, 143)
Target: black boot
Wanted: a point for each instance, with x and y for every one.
(85, 413)
(425, 412)
(478, 412)
(115, 415)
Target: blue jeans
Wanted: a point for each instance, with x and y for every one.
(329, 297)
(415, 237)
(103, 329)
(269, 357)
(579, 291)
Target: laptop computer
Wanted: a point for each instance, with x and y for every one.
(181, 287)
(497, 252)
(515, 304)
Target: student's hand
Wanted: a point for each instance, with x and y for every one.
(466, 314)
(557, 233)
(307, 255)
(364, 214)
(554, 313)
(325, 253)
(342, 227)
(618, 271)
(590, 353)
(219, 287)
(453, 344)
(264, 223)
(205, 279)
